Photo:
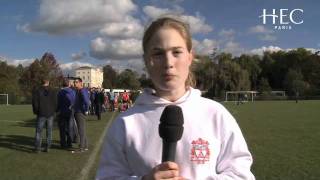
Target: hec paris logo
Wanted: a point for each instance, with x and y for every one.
(282, 18)
(200, 152)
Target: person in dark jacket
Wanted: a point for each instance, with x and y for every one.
(81, 108)
(66, 99)
(44, 104)
(98, 101)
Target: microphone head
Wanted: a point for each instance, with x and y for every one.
(171, 124)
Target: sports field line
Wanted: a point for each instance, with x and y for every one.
(86, 169)
(10, 121)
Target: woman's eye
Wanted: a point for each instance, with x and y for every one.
(176, 53)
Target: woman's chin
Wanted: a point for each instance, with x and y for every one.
(168, 86)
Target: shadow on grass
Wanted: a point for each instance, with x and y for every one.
(31, 123)
(27, 123)
(22, 143)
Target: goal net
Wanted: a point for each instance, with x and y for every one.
(4, 99)
(243, 96)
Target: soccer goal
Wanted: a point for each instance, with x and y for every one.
(4, 99)
(243, 96)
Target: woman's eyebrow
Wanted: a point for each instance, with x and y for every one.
(162, 49)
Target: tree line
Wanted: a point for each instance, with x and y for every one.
(295, 71)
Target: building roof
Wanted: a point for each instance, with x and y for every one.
(84, 67)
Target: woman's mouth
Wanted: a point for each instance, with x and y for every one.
(168, 77)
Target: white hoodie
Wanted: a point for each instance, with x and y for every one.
(212, 145)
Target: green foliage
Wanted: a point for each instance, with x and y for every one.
(145, 82)
(252, 72)
(109, 77)
(128, 79)
(32, 76)
(294, 83)
(264, 86)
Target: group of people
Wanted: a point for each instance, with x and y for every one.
(102, 101)
(71, 104)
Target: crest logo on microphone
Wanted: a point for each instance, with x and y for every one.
(200, 152)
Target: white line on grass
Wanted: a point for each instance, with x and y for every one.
(85, 170)
(10, 121)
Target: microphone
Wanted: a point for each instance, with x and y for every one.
(170, 130)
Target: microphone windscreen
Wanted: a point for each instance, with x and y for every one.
(171, 124)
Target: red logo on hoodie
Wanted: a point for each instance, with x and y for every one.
(200, 152)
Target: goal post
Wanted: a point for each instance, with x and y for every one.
(235, 96)
(4, 99)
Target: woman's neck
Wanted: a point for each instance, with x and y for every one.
(172, 95)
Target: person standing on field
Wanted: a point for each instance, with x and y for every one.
(44, 104)
(81, 108)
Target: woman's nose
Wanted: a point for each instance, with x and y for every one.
(169, 59)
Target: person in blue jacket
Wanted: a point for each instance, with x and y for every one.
(81, 108)
(66, 99)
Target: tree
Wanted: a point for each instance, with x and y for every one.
(32, 76)
(251, 64)
(128, 79)
(204, 70)
(109, 77)
(145, 82)
(9, 82)
(230, 76)
(50, 68)
(264, 86)
(294, 83)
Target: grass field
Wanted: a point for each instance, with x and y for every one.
(284, 138)
(18, 161)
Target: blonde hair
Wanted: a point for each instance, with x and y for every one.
(178, 25)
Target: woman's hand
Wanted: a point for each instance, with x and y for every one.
(166, 170)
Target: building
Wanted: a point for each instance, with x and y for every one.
(91, 77)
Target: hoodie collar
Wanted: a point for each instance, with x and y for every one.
(148, 97)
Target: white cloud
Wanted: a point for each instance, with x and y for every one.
(267, 37)
(133, 64)
(260, 51)
(128, 28)
(23, 62)
(115, 49)
(154, 12)
(69, 68)
(227, 33)
(260, 29)
(233, 47)
(78, 56)
(264, 33)
(197, 23)
(74, 65)
(313, 50)
(72, 16)
(204, 47)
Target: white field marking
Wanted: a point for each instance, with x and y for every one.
(86, 169)
(10, 121)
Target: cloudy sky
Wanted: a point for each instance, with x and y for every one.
(99, 32)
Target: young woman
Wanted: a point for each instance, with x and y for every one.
(212, 145)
